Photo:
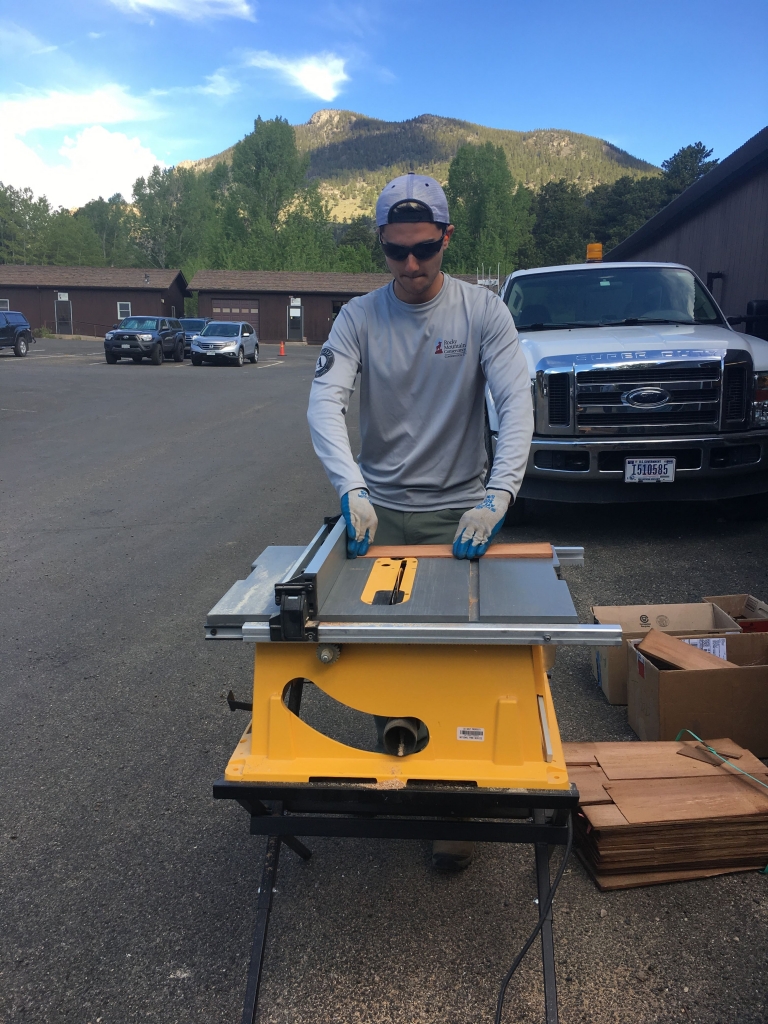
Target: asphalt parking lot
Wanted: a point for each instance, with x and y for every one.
(132, 497)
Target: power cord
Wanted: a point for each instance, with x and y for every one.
(543, 911)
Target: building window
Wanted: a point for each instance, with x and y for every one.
(254, 309)
(5, 304)
(336, 305)
(225, 309)
(123, 310)
(217, 309)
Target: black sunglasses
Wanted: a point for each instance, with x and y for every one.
(420, 251)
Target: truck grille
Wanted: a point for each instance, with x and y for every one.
(674, 396)
(559, 390)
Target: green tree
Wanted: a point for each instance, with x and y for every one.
(23, 224)
(173, 207)
(114, 223)
(686, 166)
(70, 241)
(560, 232)
(491, 212)
(615, 211)
(267, 170)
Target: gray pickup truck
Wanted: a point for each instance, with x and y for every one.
(641, 389)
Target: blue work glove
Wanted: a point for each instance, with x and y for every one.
(479, 524)
(361, 521)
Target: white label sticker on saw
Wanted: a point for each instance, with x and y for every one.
(711, 644)
(465, 732)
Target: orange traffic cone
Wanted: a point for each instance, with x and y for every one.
(282, 348)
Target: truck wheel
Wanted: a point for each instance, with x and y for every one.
(157, 354)
(240, 356)
(111, 358)
(21, 347)
(255, 357)
(196, 360)
(178, 352)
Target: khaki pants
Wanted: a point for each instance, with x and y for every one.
(417, 527)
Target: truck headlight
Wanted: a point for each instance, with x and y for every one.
(145, 337)
(760, 401)
(108, 336)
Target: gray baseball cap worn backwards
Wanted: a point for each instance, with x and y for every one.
(412, 197)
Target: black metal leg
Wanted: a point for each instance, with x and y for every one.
(547, 942)
(294, 696)
(297, 847)
(263, 908)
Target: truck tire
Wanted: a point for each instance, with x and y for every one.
(111, 358)
(178, 352)
(22, 345)
(196, 360)
(157, 354)
(240, 356)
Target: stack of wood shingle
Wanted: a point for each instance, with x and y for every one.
(664, 812)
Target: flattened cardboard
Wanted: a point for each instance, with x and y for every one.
(750, 612)
(657, 800)
(609, 664)
(731, 701)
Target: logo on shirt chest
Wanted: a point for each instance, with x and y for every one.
(450, 347)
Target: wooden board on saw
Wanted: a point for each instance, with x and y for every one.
(652, 813)
(446, 551)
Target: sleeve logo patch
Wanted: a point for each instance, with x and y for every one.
(324, 363)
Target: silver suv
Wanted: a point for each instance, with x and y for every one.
(231, 341)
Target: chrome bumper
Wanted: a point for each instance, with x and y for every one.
(719, 474)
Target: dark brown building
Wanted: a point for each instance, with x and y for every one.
(718, 227)
(281, 305)
(89, 300)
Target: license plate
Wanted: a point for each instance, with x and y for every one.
(646, 471)
(124, 345)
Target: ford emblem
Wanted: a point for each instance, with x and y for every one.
(646, 398)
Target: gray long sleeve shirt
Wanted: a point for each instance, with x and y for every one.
(423, 369)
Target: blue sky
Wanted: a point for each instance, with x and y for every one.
(94, 92)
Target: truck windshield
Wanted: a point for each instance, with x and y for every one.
(139, 323)
(192, 325)
(609, 297)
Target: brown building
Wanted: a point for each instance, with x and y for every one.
(283, 305)
(89, 300)
(718, 227)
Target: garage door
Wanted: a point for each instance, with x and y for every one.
(236, 309)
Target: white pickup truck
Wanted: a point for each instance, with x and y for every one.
(641, 389)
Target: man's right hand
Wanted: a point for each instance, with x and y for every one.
(361, 521)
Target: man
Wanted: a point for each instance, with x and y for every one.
(424, 346)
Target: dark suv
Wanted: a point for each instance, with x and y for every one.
(15, 332)
(192, 326)
(152, 336)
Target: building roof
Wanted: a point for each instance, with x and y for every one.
(729, 172)
(293, 282)
(286, 281)
(89, 277)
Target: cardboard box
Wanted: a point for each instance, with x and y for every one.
(729, 702)
(750, 612)
(609, 664)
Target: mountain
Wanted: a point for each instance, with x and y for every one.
(353, 156)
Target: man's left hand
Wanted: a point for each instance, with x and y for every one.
(480, 524)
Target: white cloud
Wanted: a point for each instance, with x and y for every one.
(190, 10)
(110, 104)
(220, 83)
(19, 41)
(96, 162)
(96, 35)
(321, 75)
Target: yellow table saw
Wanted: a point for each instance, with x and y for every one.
(450, 655)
